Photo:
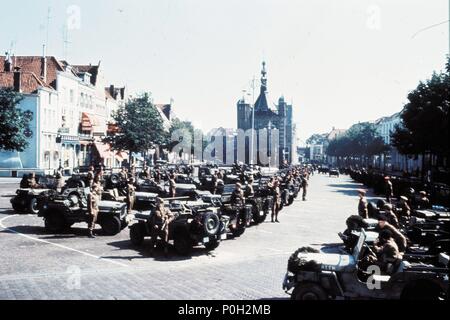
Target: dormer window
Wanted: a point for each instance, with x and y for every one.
(86, 77)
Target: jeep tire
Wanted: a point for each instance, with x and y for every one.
(111, 225)
(137, 234)
(33, 207)
(182, 243)
(54, 222)
(309, 291)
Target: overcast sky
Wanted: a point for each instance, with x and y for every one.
(339, 62)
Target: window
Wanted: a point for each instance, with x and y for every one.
(71, 96)
(49, 98)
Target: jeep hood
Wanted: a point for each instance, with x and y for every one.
(331, 261)
(150, 195)
(108, 205)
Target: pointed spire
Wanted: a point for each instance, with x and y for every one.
(263, 78)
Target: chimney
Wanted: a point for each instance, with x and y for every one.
(8, 63)
(44, 65)
(17, 80)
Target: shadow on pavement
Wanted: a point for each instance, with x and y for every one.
(73, 232)
(346, 186)
(158, 254)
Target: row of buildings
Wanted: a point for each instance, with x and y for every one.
(71, 108)
(385, 126)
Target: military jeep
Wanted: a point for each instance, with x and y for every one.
(61, 211)
(314, 275)
(195, 224)
(26, 200)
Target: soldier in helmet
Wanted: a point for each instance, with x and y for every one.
(388, 189)
(90, 176)
(93, 203)
(276, 200)
(131, 194)
(237, 197)
(362, 205)
(161, 219)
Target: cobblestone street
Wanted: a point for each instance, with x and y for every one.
(36, 265)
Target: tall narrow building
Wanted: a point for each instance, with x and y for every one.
(268, 115)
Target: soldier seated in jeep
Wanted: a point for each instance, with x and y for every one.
(386, 254)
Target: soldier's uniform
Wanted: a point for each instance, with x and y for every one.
(160, 225)
(131, 195)
(93, 203)
(276, 193)
(90, 177)
(172, 187)
(389, 256)
(362, 204)
(304, 187)
(389, 189)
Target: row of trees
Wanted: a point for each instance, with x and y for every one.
(425, 119)
(361, 141)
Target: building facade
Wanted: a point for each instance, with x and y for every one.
(71, 108)
(265, 115)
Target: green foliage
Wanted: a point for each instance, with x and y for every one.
(425, 117)
(360, 140)
(140, 126)
(317, 138)
(13, 121)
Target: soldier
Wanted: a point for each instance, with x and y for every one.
(423, 202)
(249, 192)
(123, 174)
(388, 189)
(390, 215)
(160, 225)
(388, 255)
(214, 180)
(93, 203)
(276, 200)
(304, 186)
(362, 205)
(237, 197)
(131, 194)
(59, 180)
(31, 181)
(90, 176)
(399, 238)
(405, 210)
(172, 186)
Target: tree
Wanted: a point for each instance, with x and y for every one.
(13, 122)
(361, 140)
(140, 126)
(184, 130)
(425, 118)
(317, 138)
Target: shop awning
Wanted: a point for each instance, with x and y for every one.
(86, 122)
(103, 150)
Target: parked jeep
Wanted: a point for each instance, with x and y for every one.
(61, 211)
(195, 224)
(314, 275)
(26, 200)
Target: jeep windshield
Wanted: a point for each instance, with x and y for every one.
(358, 248)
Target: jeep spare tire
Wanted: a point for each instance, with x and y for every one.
(211, 223)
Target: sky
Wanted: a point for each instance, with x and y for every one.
(338, 62)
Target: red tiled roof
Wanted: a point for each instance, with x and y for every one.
(33, 64)
(29, 82)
